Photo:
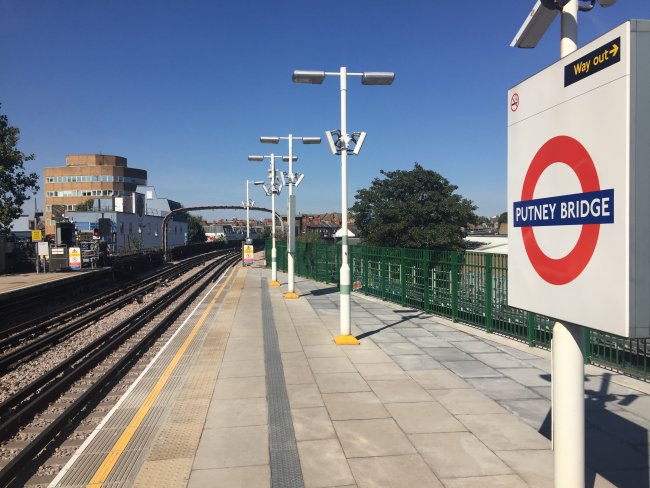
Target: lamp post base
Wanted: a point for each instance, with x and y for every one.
(291, 295)
(274, 283)
(346, 340)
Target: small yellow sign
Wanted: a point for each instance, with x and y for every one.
(37, 235)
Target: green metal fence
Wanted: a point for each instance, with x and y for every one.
(466, 287)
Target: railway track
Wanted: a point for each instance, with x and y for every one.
(20, 342)
(74, 386)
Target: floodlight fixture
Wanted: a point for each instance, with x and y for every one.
(358, 138)
(333, 137)
(255, 158)
(377, 78)
(286, 158)
(269, 140)
(310, 77)
(542, 16)
(282, 176)
(300, 177)
(258, 182)
(536, 24)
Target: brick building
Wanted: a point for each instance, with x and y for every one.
(85, 177)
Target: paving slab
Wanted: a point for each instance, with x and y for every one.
(406, 471)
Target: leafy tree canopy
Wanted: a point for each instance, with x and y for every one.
(195, 232)
(85, 206)
(416, 208)
(15, 183)
(503, 218)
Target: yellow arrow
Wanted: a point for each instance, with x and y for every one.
(614, 50)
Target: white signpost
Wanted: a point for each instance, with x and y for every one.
(578, 186)
(578, 180)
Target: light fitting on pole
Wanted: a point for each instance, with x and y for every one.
(282, 176)
(377, 78)
(536, 24)
(541, 17)
(255, 158)
(300, 177)
(269, 140)
(333, 140)
(286, 158)
(311, 140)
(358, 138)
(311, 77)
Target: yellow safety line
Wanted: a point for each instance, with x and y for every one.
(120, 445)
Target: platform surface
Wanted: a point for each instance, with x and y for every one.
(262, 397)
(19, 281)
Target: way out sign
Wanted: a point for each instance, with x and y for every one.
(579, 186)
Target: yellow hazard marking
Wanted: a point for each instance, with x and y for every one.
(120, 445)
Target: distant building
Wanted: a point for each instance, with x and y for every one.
(84, 177)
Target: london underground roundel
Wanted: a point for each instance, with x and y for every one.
(590, 208)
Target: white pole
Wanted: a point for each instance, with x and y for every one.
(274, 255)
(568, 404)
(292, 225)
(248, 205)
(344, 276)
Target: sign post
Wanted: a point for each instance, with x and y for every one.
(577, 195)
(36, 237)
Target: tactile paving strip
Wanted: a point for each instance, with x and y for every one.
(285, 463)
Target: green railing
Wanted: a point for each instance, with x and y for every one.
(466, 287)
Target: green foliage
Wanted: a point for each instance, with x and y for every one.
(15, 183)
(416, 209)
(503, 218)
(309, 237)
(85, 206)
(195, 232)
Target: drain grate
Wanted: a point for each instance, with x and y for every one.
(285, 463)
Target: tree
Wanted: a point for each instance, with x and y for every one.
(503, 218)
(86, 206)
(195, 232)
(416, 208)
(15, 183)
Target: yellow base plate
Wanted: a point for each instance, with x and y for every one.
(291, 295)
(274, 283)
(346, 340)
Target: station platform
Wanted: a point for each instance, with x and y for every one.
(252, 392)
(15, 283)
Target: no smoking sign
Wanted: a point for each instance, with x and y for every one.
(578, 190)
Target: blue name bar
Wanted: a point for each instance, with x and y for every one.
(594, 207)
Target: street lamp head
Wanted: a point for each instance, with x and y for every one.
(269, 140)
(286, 158)
(377, 78)
(311, 140)
(258, 182)
(311, 77)
(255, 158)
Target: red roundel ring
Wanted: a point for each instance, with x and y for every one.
(561, 149)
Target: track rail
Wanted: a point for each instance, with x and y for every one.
(39, 334)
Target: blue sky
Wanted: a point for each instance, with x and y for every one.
(184, 89)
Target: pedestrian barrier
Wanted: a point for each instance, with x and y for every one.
(464, 286)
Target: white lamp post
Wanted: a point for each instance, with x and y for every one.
(567, 345)
(275, 187)
(249, 203)
(293, 179)
(342, 146)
